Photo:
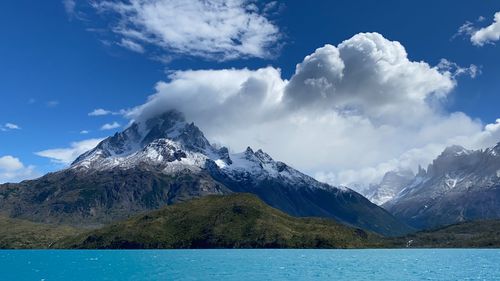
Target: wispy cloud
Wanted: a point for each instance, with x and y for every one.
(52, 103)
(9, 126)
(100, 112)
(456, 70)
(12, 126)
(67, 155)
(110, 126)
(69, 7)
(104, 112)
(211, 29)
(131, 45)
(84, 132)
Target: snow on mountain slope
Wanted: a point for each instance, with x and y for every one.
(167, 141)
(171, 144)
(459, 185)
(390, 185)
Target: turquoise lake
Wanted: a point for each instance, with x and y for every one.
(403, 264)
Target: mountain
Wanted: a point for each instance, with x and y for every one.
(230, 221)
(166, 160)
(460, 185)
(390, 185)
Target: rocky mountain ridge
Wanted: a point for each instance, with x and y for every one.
(459, 185)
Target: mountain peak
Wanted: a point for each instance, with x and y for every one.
(170, 125)
(455, 150)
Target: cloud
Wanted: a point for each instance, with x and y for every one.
(131, 45)
(9, 126)
(103, 112)
(84, 132)
(13, 170)
(9, 163)
(12, 126)
(100, 112)
(69, 7)
(472, 70)
(67, 155)
(213, 29)
(487, 34)
(349, 114)
(481, 36)
(110, 126)
(52, 103)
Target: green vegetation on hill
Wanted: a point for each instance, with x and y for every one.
(473, 234)
(231, 221)
(21, 234)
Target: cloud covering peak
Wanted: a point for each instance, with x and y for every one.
(349, 114)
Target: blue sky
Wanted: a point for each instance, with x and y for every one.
(60, 62)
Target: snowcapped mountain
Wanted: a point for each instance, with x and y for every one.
(170, 144)
(459, 185)
(167, 142)
(165, 160)
(390, 185)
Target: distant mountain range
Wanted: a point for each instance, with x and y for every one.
(391, 184)
(460, 185)
(166, 160)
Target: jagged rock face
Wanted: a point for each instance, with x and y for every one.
(459, 185)
(165, 160)
(390, 185)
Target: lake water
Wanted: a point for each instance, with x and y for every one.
(405, 264)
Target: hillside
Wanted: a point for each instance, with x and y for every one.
(231, 221)
(21, 234)
(474, 234)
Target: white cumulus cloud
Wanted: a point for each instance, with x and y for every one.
(67, 155)
(349, 114)
(13, 170)
(488, 34)
(212, 29)
(110, 126)
(481, 36)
